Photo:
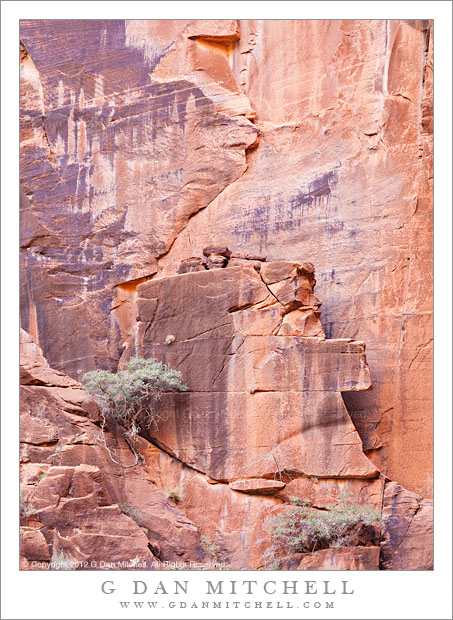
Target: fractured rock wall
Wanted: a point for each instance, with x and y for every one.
(265, 395)
(76, 501)
(343, 175)
(144, 142)
(81, 509)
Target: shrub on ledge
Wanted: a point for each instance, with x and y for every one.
(302, 529)
(129, 396)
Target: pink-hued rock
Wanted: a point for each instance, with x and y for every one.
(33, 545)
(233, 524)
(133, 158)
(82, 524)
(324, 493)
(34, 369)
(31, 473)
(120, 145)
(192, 264)
(343, 175)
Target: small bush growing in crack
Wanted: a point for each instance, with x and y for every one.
(26, 509)
(174, 492)
(128, 397)
(132, 512)
(61, 561)
(301, 528)
(210, 547)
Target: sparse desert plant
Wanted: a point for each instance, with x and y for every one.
(301, 528)
(272, 558)
(128, 397)
(61, 561)
(132, 512)
(174, 492)
(268, 463)
(298, 501)
(39, 411)
(26, 509)
(170, 339)
(210, 547)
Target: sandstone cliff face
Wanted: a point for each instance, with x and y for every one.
(408, 526)
(230, 457)
(343, 175)
(83, 506)
(143, 143)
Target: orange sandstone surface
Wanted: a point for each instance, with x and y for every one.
(185, 179)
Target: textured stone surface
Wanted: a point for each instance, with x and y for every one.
(343, 175)
(80, 521)
(123, 139)
(234, 522)
(260, 404)
(129, 135)
(154, 140)
(72, 490)
(408, 536)
(33, 545)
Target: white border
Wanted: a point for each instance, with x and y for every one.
(377, 595)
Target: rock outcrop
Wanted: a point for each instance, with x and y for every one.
(234, 524)
(172, 173)
(343, 175)
(127, 142)
(79, 508)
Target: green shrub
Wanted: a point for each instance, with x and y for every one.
(128, 395)
(301, 528)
